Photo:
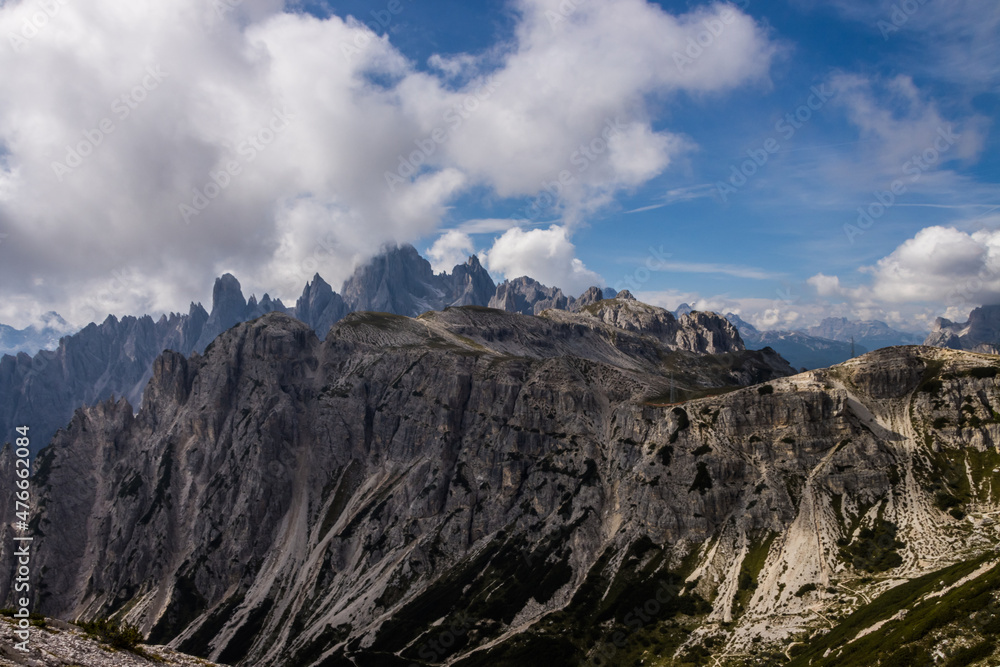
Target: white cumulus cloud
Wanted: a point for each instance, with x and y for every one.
(168, 140)
(450, 249)
(547, 255)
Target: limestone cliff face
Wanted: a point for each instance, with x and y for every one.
(520, 483)
(981, 333)
(528, 296)
(402, 282)
(706, 333)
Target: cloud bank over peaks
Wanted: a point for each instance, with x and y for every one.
(547, 255)
(193, 138)
(952, 269)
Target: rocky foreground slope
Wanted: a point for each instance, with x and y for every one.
(58, 644)
(478, 488)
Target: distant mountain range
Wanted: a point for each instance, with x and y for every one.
(115, 358)
(981, 333)
(825, 344)
(37, 337)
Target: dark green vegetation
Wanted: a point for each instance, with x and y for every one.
(123, 636)
(614, 617)
(874, 549)
(750, 573)
(34, 617)
(968, 617)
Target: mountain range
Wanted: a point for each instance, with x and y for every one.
(42, 336)
(115, 357)
(474, 487)
(831, 342)
(980, 333)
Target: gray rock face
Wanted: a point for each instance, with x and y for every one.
(320, 307)
(514, 480)
(471, 285)
(401, 282)
(981, 333)
(528, 296)
(702, 333)
(113, 358)
(588, 298)
(230, 308)
(279, 485)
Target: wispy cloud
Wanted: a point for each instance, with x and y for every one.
(721, 269)
(677, 195)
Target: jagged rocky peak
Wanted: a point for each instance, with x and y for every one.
(742, 325)
(402, 282)
(228, 308)
(527, 296)
(266, 305)
(470, 284)
(705, 333)
(980, 333)
(319, 306)
(227, 299)
(588, 298)
(398, 281)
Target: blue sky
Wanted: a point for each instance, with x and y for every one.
(904, 97)
(787, 223)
